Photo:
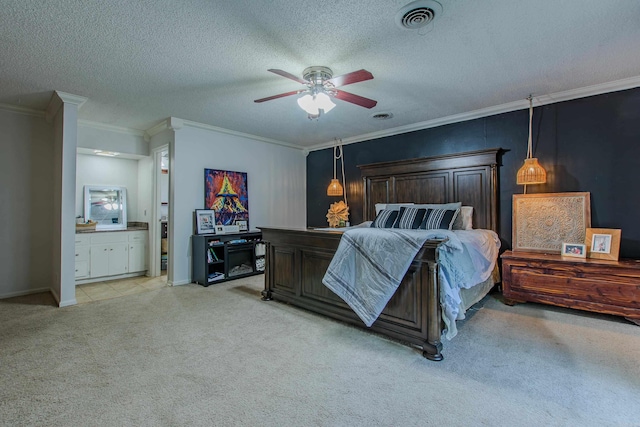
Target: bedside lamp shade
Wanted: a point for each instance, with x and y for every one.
(334, 189)
(531, 172)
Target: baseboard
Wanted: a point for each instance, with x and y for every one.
(23, 293)
(67, 303)
(178, 283)
(55, 296)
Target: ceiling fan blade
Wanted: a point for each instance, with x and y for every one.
(350, 78)
(282, 95)
(355, 99)
(288, 75)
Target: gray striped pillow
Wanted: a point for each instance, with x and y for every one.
(439, 219)
(385, 219)
(409, 218)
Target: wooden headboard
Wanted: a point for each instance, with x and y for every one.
(470, 178)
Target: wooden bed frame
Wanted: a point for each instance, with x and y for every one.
(297, 259)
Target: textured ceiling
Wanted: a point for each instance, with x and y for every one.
(141, 61)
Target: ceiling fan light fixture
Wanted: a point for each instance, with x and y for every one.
(324, 102)
(313, 104)
(308, 104)
(321, 86)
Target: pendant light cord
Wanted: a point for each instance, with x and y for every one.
(335, 158)
(337, 155)
(344, 184)
(529, 150)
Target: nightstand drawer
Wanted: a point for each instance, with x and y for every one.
(609, 287)
(549, 282)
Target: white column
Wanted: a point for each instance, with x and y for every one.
(179, 248)
(63, 112)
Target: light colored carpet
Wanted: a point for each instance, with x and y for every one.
(219, 356)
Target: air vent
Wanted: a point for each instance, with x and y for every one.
(418, 14)
(382, 116)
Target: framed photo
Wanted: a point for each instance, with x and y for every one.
(603, 243)
(219, 229)
(543, 221)
(205, 221)
(242, 225)
(577, 250)
(226, 193)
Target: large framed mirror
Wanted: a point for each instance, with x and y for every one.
(106, 205)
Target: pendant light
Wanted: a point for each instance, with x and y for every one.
(338, 214)
(335, 188)
(531, 172)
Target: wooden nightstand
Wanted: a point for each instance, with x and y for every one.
(611, 287)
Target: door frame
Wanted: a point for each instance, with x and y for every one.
(155, 240)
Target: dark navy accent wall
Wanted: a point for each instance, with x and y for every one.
(590, 144)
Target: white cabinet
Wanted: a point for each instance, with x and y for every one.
(102, 255)
(82, 256)
(109, 259)
(137, 251)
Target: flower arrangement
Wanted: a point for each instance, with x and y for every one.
(338, 214)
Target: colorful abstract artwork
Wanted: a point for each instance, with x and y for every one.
(225, 193)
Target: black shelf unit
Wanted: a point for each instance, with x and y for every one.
(221, 257)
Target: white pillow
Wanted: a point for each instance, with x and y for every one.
(464, 220)
(390, 206)
(448, 206)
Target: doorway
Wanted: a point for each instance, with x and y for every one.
(159, 239)
(164, 211)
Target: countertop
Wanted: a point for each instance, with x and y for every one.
(132, 226)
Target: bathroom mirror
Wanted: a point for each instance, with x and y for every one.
(106, 205)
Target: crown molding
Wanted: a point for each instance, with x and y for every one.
(58, 99)
(241, 134)
(156, 129)
(540, 100)
(177, 124)
(69, 98)
(110, 128)
(22, 110)
(599, 89)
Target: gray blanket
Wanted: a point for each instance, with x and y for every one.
(371, 262)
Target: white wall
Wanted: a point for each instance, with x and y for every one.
(276, 184)
(145, 190)
(26, 174)
(98, 170)
(111, 140)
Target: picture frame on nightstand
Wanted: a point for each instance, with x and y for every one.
(576, 250)
(603, 243)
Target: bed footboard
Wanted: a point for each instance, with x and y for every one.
(297, 260)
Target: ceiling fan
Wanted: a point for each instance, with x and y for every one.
(321, 86)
